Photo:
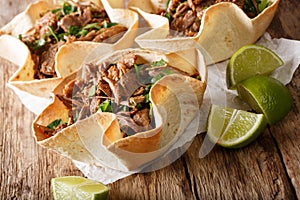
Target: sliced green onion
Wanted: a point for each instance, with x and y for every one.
(53, 33)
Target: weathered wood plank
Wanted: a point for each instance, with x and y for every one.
(286, 24)
(267, 169)
(254, 172)
(287, 136)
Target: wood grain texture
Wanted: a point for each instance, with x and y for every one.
(266, 169)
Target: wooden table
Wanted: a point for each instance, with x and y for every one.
(269, 168)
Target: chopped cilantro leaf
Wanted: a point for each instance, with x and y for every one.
(68, 9)
(108, 24)
(54, 124)
(36, 45)
(168, 16)
(105, 106)
(83, 32)
(74, 30)
(111, 24)
(262, 4)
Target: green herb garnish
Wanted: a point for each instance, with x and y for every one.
(74, 30)
(146, 93)
(53, 33)
(92, 26)
(83, 32)
(137, 71)
(108, 25)
(168, 16)
(54, 124)
(249, 7)
(68, 8)
(158, 63)
(105, 106)
(36, 45)
(262, 4)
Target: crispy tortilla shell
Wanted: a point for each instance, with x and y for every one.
(17, 52)
(176, 100)
(224, 29)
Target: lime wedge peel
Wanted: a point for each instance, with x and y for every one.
(76, 187)
(251, 60)
(234, 128)
(266, 95)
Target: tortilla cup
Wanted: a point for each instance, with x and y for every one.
(176, 99)
(224, 29)
(17, 52)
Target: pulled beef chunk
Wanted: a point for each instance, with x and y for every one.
(76, 19)
(41, 28)
(113, 73)
(129, 60)
(188, 19)
(47, 60)
(66, 101)
(137, 100)
(68, 21)
(111, 34)
(185, 16)
(128, 84)
(129, 126)
(142, 118)
(88, 37)
(103, 87)
(68, 90)
(139, 91)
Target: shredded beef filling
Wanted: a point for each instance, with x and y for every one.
(70, 22)
(185, 15)
(122, 88)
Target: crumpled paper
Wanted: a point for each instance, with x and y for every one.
(216, 93)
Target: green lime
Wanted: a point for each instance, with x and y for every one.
(248, 61)
(233, 128)
(266, 95)
(76, 187)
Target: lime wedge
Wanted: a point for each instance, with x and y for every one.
(76, 187)
(266, 95)
(233, 128)
(248, 61)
